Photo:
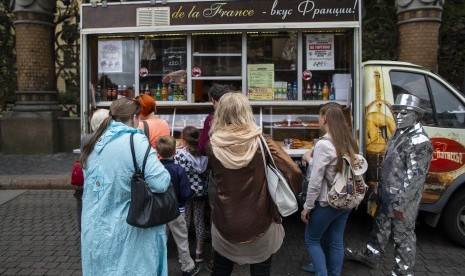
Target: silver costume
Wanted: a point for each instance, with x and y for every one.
(406, 164)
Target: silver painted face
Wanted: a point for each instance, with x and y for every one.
(405, 118)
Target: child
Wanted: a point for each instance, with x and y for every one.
(166, 149)
(195, 165)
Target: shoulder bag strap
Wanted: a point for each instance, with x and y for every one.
(265, 145)
(263, 156)
(133, 154)
(146, 132)
(146, 129)
(134, 157)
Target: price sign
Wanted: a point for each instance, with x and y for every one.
(174, 59)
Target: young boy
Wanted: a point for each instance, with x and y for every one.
(166, 149)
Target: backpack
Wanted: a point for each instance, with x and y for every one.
(349, 187)
(77, 176)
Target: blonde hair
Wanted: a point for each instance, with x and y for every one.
(97, 118)
(233, 110)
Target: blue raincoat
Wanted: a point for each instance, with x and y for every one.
(109, 245)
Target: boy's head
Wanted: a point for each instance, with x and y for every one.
(166, 147)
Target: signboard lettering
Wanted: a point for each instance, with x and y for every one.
(229, 12)
(448, 155)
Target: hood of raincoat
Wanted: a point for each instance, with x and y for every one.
(114, 131)
(199, 162)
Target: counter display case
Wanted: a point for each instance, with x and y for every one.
(293, 127)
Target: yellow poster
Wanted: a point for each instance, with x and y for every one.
(260, 79)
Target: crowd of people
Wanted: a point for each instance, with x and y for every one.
(219, 169)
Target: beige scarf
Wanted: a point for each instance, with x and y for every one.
(235, 147)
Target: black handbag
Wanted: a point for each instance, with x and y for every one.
(149, 209)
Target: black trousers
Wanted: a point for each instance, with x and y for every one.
(78, 195)
(223, 266)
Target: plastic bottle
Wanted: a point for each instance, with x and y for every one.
(308, 91)
(108, 94)
(289, 91)
(158, 93)
(147, 90)
(124, 91)
(325, 91)
(319, 92)
(332, 92)
(114, 93)
(164, 93)
(294, 91)
(170, 92)
(314, 92)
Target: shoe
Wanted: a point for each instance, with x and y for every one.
(198, 257)
(191, 272)
(357, 256)
(209, 266)
(308, 268)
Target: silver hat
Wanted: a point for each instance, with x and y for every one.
(408, 102)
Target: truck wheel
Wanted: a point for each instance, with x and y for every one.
(453, 218)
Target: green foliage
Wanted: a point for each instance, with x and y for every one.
(8, 82)
(379, 30)
(451, 56)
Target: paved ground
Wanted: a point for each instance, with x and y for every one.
(38, 233)
(38, 236)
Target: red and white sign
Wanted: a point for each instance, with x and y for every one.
(143, 72)
(448, 155)
(307, 75)
(196, 72)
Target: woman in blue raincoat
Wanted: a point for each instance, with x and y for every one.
(109, 245)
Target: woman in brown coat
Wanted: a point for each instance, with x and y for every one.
(246, 225)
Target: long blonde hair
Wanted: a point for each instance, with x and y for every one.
(121, 110)
(339, 130)
(233, 111)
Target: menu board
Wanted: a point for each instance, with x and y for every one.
(260, 80)
(174, 59)
(320, 52)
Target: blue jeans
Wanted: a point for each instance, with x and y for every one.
(324, 237)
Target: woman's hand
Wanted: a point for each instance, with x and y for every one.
(304, 215)
(307, 156)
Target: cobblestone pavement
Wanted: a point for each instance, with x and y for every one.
(38, 236)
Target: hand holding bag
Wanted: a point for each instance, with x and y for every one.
(149, 209)
(279, 189)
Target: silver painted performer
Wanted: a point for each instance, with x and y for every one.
(406, 163)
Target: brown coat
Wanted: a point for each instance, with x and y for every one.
(243, 209)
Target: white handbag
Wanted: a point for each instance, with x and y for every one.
(279, 189)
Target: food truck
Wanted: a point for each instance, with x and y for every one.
(288, 57)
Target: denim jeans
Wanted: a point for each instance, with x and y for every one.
(223, 266)
(324, 237)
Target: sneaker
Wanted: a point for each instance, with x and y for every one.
(360, 257)
(308, 268)
(191, 272)
(198, 257)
